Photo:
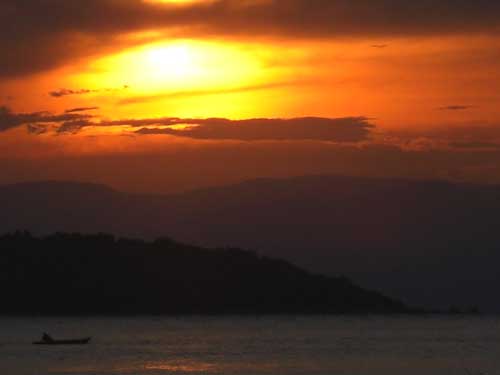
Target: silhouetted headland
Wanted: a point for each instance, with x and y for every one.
(99, 274)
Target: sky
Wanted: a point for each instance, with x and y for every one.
(170, 95)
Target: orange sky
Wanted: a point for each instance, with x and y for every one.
(402, 85)
(428, 88)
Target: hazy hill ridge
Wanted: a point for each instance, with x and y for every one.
(432, 243)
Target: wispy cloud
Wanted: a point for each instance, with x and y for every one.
(456, 108)
(37, 129)
(195, 93)
(67, 92)
(475, 145)
(81, 109)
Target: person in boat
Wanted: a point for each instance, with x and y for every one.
(46, 338)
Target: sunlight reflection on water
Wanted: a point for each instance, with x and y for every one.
(255, 346)
(188, 367)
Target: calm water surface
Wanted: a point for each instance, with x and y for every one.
(254, 346)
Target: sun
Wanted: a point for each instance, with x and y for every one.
(175, 61)
(176, 2)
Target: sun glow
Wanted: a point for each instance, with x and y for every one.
(183, 65)
(178, 78)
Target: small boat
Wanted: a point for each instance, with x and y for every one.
(47, 340)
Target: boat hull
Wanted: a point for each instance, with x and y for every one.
(83, 341)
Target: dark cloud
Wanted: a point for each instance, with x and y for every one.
(9, 119)
(48, 33)
(37, 129)
(81, 109)
(74, 126)
(66, 92)
(349, 129)
(456, 108)
(380, 46)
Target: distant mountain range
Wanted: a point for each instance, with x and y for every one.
(431, 243)
(98, 274)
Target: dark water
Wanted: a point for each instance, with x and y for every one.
(253, 346)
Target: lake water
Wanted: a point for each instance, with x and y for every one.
(255, 345)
